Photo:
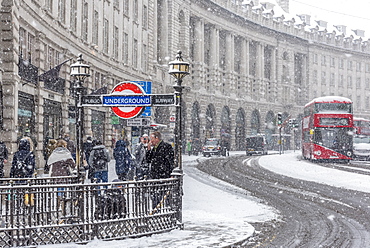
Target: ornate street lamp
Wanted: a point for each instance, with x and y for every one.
(178, 69)
(80, 71)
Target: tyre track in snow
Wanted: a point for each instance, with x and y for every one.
(313, 215)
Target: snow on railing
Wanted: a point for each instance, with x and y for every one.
(36, 212)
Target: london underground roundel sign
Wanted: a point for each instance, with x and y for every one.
(128, 88)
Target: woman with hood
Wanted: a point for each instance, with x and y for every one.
(123, 160)
(23, 164)
(61, 162)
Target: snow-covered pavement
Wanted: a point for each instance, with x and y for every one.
(216, 214)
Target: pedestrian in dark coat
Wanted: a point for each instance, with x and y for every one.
(3, 157)
(161, 157)
(88, 146)
(25, 154)
(123, 160)
(52, 144)
(98, 160)
(61, 162)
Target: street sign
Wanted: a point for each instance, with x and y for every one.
(163, 100)
(114, 100)
(173, 118)
(130, 100)
(147, 87)
(91, 100)
(127, 88)
(138, 122)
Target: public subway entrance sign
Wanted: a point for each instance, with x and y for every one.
(128, 100)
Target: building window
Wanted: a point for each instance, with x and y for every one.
(95, 39)
(126, 7)
(349, 81)
(315, 76)
(115, 42)
(323, 60)
(222, 50)
(97, 80)
(358, 66)
(323, 78)
(341, 81)
(85, 23)
(358, 102)
(22, 41)
(253, 59)
(49, 5)
(62, 11)
(125, 48)
(332, 79)
(105, 35)
(367, 67)
(358, 83)
(136, 11)
(103, 81)
(30, 51)
(135, 54)
(144, 60)
(73, 18)
(367, 85)
(341, 63)
(50, 58)
(367, 102)
(145, 17)
(267, 62)
(315, 60)
(332, 62)
(349, 65)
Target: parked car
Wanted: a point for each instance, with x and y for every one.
(211, 147)
(361, 147)
(256, 145)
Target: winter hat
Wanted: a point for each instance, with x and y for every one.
(144, 135)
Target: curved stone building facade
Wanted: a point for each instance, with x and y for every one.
(247, 64)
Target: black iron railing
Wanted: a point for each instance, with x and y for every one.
(42, 211)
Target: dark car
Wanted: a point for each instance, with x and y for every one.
(211, 147)
(256, 145)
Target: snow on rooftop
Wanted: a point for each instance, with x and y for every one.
(360, 119)
(330, 99)
(279, 12)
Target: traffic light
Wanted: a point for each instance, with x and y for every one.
(295, 123)
(279, 118)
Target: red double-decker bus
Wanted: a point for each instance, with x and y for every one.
(327, 129)
(362, 126)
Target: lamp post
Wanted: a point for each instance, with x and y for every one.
(80, 71)
(178, 69)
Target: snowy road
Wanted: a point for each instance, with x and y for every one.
(314, 214)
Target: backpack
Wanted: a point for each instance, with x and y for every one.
(21, 169)
(100, 159)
